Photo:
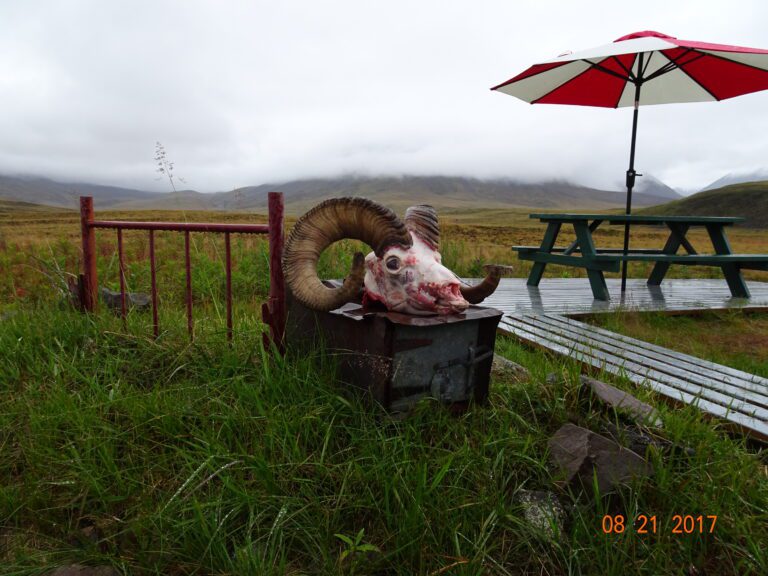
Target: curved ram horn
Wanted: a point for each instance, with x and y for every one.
(329, 221)
(422, 220)
(478, 293)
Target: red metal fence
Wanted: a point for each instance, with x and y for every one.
(273, 311)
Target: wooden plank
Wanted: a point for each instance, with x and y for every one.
(550, 237)
(670, 247)
(596, 277)
(673, 376)
(630, 367)
(638, 218)
(746, 423)
(572, 296)
(697, 259)
(750, 425)
(698, 363)
(578, 261)
(681, 366)
(577, 250)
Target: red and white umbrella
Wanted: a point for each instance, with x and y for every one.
(640, 69)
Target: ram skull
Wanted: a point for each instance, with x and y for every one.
(404, 272)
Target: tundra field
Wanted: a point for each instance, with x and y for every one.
(170, 457)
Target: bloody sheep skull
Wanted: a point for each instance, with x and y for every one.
(404, 272)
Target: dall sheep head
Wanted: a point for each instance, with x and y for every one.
(404, 272)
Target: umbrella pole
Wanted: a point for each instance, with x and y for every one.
(630, 184)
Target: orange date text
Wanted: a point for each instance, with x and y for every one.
(649, 524)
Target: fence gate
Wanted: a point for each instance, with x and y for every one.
(273, 311)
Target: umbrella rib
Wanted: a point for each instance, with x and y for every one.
(630, 75)
(514, 80)
(707, 90)
(606, 70)
(621, 92)
(645, 68)
(592, 65)
(561, 85)
(674, 64)
(719, 57)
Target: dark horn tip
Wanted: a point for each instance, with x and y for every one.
(498, 270)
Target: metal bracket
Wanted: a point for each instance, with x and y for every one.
(447, 389)
(631, 174)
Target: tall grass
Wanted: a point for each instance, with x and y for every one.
(170, 457)
(165, 457)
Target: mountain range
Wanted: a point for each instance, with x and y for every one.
(738, 178)
(397, 192)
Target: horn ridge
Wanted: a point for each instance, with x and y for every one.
(336, 219)
(422, 220)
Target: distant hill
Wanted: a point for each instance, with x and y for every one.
(65, 195)
(738, 178)
(748, 200)
(397, 192)
(12, 206)
(649, 185)
(440, 191)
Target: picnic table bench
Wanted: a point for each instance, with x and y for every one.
(596, 261)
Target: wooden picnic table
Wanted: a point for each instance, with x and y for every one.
(596, 261)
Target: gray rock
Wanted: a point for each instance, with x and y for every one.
(632, 437)
(554, 378)
(503, 368)
(638, 440)
(582, 455)
(622, 401)
(543, 512)
(137, 300)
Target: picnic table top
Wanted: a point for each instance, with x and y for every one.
(639, 218)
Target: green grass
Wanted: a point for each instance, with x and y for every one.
(747, 200)
(205, 458)
(168, 457)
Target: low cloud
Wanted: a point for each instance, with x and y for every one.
(249, 92)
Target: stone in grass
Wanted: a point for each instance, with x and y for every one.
(79, 570)
(543, 512)
(553, 379)
(622, 402)
(638, 439)
(137, 300)
(503, 368)
(583, 456)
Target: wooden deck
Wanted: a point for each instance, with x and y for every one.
(542, 317)
(573, 296)
(739, 398)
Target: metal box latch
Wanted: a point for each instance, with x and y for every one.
(453, 379)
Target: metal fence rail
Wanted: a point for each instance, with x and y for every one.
(273, 311)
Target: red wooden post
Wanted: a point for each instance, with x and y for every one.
(274, 312)
(228, 271)
(88, 234)
(153, 276)
(188, 265)
(121, 261)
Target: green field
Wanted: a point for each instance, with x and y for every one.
(170, 457)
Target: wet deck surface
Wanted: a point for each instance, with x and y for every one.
(573, 296)
(734, 396)
(539, 317)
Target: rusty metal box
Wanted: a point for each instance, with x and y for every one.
(399, 358)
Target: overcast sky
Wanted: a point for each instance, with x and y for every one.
(243, 93)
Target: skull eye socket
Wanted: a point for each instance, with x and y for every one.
(393, 263)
